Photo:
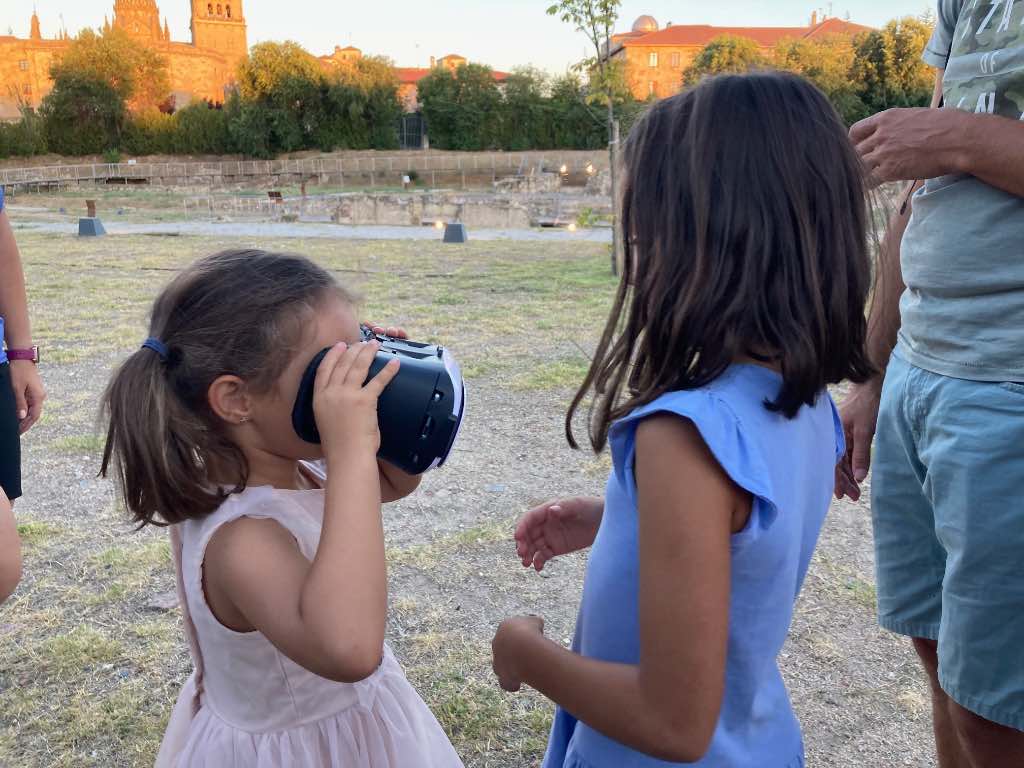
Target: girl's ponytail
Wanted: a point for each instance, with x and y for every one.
(235, 312)
(155, 444)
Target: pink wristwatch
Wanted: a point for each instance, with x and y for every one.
(31, 354)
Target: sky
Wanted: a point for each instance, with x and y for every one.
(502, 33)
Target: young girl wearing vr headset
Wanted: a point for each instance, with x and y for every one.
(278, 541)
(742, 298)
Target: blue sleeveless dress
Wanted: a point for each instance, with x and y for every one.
(788, 466)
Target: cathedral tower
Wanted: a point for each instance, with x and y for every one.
(220, 27)
(139, 18)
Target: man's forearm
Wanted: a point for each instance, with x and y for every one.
(992, 149)
(884, 315)
(13, 305)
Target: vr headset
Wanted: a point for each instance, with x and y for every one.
(419, 413)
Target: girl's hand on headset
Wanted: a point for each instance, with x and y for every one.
(392, 331)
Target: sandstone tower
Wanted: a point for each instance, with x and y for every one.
(220, 27)
(139, 18)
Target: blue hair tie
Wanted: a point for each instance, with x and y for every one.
(157, 346)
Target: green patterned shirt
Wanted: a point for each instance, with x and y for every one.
(963, 253)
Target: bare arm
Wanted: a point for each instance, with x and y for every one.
(674, 695)
(992, 148)
(859, 413)
(28, 389)
(884, 315)
(13, 304)
(908, 144)
(394, 483)
(10, 550)
(329, 614)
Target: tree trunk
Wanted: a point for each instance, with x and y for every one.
(613, 157)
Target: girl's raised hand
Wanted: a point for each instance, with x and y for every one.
(557, 528)
(345, 408)
(391, 331)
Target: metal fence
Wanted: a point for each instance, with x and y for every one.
(370, 168)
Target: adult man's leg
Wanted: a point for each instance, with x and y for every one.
(947, 741)
(970, 439)
(910, 561)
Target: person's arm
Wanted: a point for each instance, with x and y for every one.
(10, 550)
(13, 304)
(859, 411)
(394, 483)
(28, 389)
(327, 615)
(925, 143)
(669, 704)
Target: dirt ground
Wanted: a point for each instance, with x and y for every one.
(91, 653)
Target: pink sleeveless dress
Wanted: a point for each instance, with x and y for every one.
(247, 704)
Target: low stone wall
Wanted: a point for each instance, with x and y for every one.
(412, 210)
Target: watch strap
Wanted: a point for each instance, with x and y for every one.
(31, 354)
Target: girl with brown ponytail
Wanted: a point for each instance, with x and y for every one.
(278, 543)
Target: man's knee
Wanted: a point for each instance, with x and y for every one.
(989, 745)
(928, 651)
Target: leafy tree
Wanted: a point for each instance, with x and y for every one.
(888, 68)
(527, 115)
(137, 74)
(437, 94)
(200, 129)
(724, 54)
(462, 107)
(573, 124)
(83, 114)
(24, 138)
(826, 63)
(271, 64)
(364, 97)
(596, 19)
(150, 133)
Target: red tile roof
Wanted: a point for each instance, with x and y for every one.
(412, 75)
(686, 35)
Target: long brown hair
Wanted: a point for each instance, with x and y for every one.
(237, 312)
(745, 211)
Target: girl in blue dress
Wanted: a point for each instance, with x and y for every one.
(742, 297)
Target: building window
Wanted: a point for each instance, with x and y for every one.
(227, 10)
(209, 9)
(27, 90)
(220, 9)
(652, 60)
(23, 65)
(676, 61)
(653, 89)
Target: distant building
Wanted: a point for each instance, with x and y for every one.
(202, 69)
(656, 57)
(408, 77)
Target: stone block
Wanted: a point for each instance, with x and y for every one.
(456, 233)
(90, 227)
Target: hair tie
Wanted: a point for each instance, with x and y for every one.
(157, 346)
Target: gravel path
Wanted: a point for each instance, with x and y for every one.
(322, 230)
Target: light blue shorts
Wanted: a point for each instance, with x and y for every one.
(948, 507)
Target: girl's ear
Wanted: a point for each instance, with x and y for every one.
(229, 399)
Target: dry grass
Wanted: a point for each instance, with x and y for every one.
(90, 664)
(88, 669)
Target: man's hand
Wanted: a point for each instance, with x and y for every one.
(859, 416)
(911, 144)
(29, 393)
